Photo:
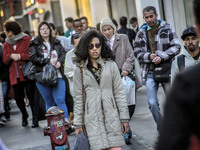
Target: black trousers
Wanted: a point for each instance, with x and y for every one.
(19, 95)
(68, 97)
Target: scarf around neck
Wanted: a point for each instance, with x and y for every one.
(13, 40)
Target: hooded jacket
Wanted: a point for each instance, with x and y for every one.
(189, 62)
(167, 45)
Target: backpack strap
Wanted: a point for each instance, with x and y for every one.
(181, 62)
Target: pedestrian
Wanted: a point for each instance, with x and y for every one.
(45, 49)
(84, 21)
(180, 125)
(134, 24)
(69, 69)
(70, 64)
(121, 47)
(77, 27)
(15, 54)
(5, 82)
(124, 30)
(191, 52)
(106, 114)
(62, 39)
(155, 43)
(69, 25)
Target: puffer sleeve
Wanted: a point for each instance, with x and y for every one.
(78, 104)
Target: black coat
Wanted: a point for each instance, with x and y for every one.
(37, 55)
(4, 69)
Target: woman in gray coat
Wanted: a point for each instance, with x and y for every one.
(106, 116)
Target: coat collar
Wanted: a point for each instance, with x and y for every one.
(116, 41)
(100, 60)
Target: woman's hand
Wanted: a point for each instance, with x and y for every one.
(57, 65)
(78, 130)
(125, 127)
(124, 73)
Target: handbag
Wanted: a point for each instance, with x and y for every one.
(29, 70)
(161, 71)
(48, 77)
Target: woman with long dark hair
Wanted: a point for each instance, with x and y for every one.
(45, 49)
(105, 113)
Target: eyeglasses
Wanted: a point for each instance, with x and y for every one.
(44, 29)
(97, 45)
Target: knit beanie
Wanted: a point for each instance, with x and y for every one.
(107, 21)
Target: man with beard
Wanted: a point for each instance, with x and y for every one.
(190, 55)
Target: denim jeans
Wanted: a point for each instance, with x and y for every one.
(152, 98)
(54, 95)
(5, 86)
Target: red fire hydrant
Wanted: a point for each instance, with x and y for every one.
(57, 129)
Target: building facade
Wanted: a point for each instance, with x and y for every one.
(176, 12)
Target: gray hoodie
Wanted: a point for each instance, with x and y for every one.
(189, 62)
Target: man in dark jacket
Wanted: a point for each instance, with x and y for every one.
(124, 30)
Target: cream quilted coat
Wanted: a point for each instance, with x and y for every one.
(110, 95)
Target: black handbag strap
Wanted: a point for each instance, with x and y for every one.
(181, 62)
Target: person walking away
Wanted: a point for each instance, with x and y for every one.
(45, 49)
(124, 30)
(106, 114)
(15, 54)
(159, 49)
(191, 52)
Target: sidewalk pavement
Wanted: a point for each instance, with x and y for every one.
(16, 137)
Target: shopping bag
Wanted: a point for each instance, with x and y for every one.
(129, 89)
(1, 99)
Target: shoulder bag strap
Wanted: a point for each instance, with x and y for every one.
(181, 62)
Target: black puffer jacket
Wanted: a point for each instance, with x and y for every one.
(37, 55)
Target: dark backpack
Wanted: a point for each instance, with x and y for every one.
(181, 62)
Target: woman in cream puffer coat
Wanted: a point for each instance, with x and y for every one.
(106, 113)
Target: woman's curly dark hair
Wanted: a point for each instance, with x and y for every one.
(81, 51)
(13, 26)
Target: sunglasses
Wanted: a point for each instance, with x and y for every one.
(97, 45)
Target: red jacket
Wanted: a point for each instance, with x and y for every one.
(22, 48)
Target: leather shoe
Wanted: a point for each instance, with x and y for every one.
(24, 122)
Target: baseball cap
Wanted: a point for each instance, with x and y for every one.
(188, 31)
